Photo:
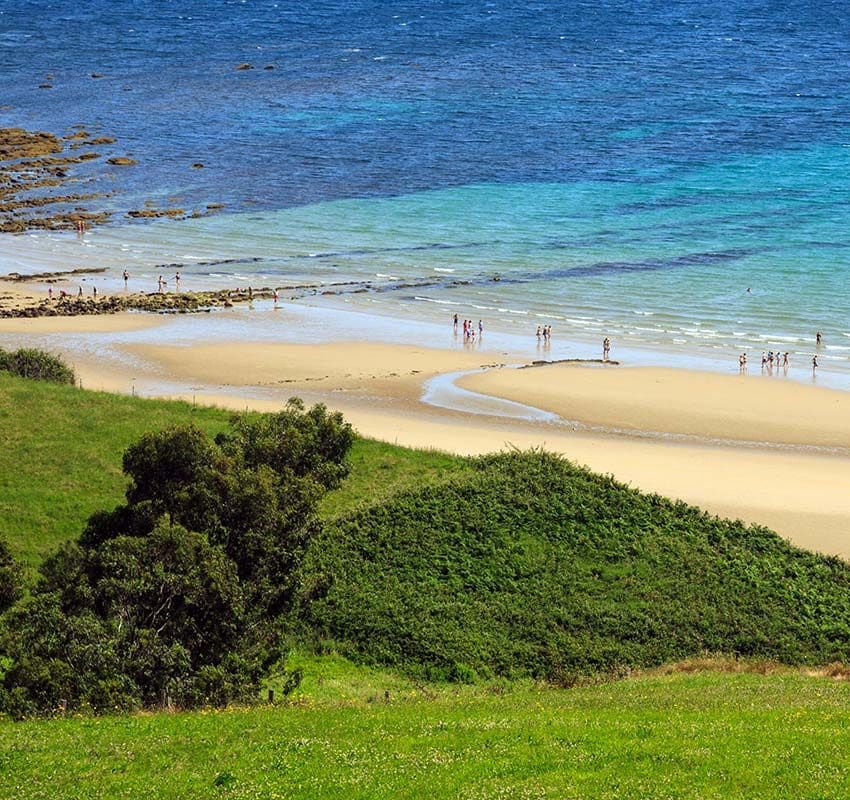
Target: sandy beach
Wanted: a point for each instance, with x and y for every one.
(757, 448)
(750, 408)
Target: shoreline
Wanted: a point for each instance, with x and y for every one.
(378, 387)
(379, 316)
(232, 251)
(690, 437)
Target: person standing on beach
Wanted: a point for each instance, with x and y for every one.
(94, 292)
(454, 322)
(538, 332)
(480, 328)
(80, 292)
(814, 363)
(177, 281)
(126, 278)
(818, 339)
(49, 292)
(161, 283)
(785, 361)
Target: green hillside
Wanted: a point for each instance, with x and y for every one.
(62, 447)
(528, 565)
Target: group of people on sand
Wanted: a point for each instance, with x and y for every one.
(769, 359)
(468, 328)
(544, 332)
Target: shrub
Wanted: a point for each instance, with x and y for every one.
(11, 578)
(529, 565)
(36, 365)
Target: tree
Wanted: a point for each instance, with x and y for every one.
(175, 595)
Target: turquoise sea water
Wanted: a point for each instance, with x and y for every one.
(619, 169)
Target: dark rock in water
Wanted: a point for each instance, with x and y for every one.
(121, 161)
(45, 86)
(245, 65)
(269, 66)
(97, 75)
(150, 213)
(197, 165)
(51, 277)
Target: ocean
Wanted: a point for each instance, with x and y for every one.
(622, 169)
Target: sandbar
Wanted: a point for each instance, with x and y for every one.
(764, 409)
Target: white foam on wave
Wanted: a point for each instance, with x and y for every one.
(512, 311)
(438, 302)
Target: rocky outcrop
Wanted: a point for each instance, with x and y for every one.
(165, 303)
(153, 213)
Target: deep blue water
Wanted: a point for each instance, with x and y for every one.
(611, 161)
(384, 98)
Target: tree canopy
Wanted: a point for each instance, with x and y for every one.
(176, 595)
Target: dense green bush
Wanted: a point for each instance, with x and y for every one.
(529, 565)
(11, 578)
(37, 365)
(174, 597)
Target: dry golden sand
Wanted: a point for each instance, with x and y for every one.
(748, 408)
(107, 323)
(805, 496)
(377, 369)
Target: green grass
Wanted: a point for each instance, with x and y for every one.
(706, 735)
(60, 459)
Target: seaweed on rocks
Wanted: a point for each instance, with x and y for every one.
(166, 303)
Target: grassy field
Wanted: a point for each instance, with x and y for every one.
(61, 459)
(702, 735)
